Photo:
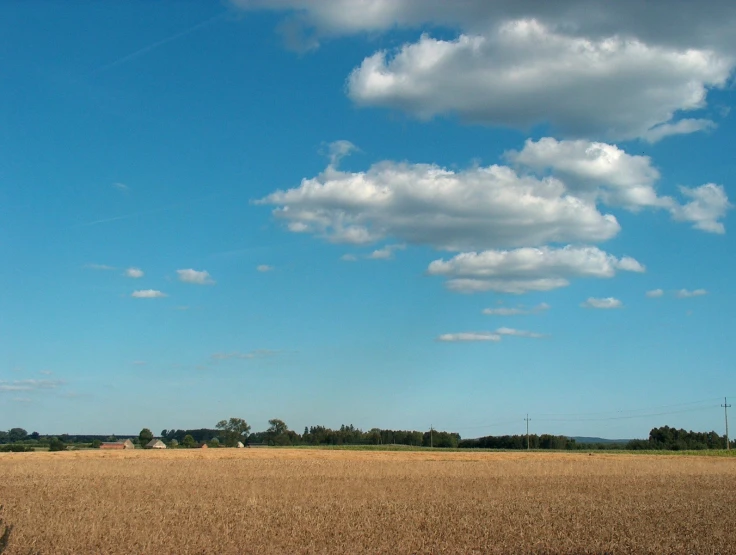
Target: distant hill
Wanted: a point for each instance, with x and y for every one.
(579, 439)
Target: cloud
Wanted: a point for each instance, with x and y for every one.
(258, 353)
(655, 293)
(134, 273)
(524, 72)
(148, 294)
(264, 268)
(686, 294)
(21, 400)
(594, 171)
(506, 311)
(528, 269)
(607, 303)
(121, 187)
(469, 336)
(348, 258)
(599, 172)
(708, 205)
(481, 207)
(706, 23)
(139, 363)
(46, 372)
(526, 62)
(385, 253)
(519, 333)
(337, 150)
(196, 277)
(103, 267)
(493, 206)
(682, 127)
(29, 385)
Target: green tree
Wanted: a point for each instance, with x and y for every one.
(173, 444)
(214, 442)
(145, 436)
(17, 434)
(188, 441)
(96, 443)
(233, 430)
(56, 444)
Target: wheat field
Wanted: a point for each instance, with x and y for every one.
(318, 501)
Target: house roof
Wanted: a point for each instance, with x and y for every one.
(155, 443)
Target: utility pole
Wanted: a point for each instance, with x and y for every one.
(527, 430)
(431, 441)
(726, 406)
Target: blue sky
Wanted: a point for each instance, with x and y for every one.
(387, 214)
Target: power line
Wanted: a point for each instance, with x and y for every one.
(710, 400)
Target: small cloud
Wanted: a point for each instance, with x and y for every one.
(21, 400)
(505, 311)
(148, 294)
(134, 273)
(258, 353)
(121, 187)
(139, 362)
(46, 372)
(338, 150)
(519, 333)
(29, 385)
(685, 294)
(386, 253)
(264, 268)
(348, 258)
(469, 336)
(607, 303)
(195, 277)
(103, 267)
(655, 293)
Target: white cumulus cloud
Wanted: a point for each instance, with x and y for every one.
(134, 273)
(147, 294)
(469, 336)
(655, 293)
(515, 311)
(709, 204)
(477, 208)
(605, 303)
(525, 72)
(385, 253)
(197, 277)
(264, 268)
(528, 269)
(519, 333)
(686, 294)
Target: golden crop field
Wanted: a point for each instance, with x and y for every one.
(319, 501)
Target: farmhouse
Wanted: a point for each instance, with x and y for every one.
(122, 444)
(203, 446)
(155, 444)
(240, 445)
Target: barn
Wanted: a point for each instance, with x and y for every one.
(203, 446)
(155, 444)
(123, 444)
(240, 445)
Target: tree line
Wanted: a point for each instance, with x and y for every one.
(230, 432)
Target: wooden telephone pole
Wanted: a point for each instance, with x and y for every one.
(726, 406)
(527, 430)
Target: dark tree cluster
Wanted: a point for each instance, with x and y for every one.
(672, 439)
(544, 441)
